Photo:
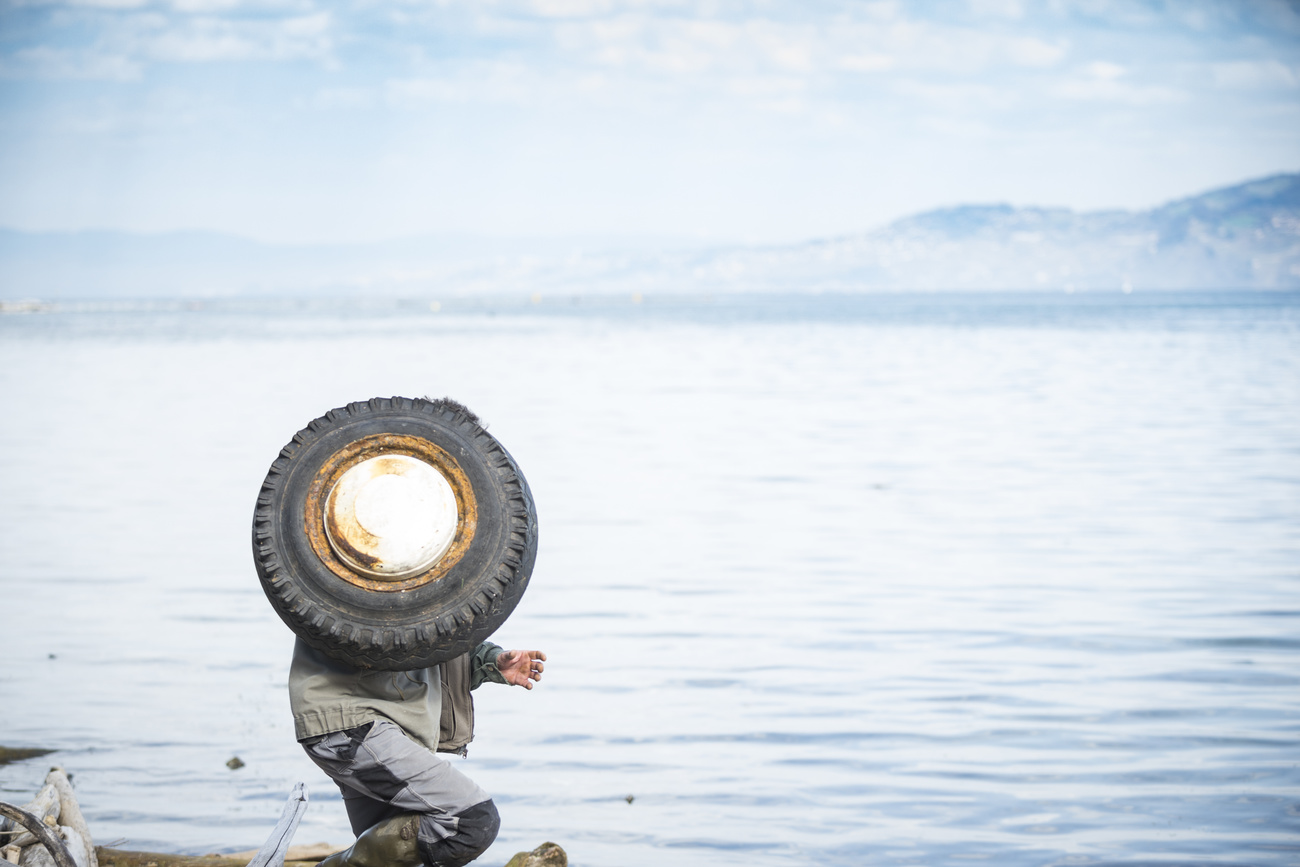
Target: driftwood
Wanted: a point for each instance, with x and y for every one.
(54, 834)
(81, 853)
(44, 842)
(307, 852)
(44, 807)
(49, 840)
(272, 854)
(36, 856)
(273, 850)
(123, 858)
(79, 844)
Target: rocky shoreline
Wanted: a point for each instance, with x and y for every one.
(55, 809)
(545, 855)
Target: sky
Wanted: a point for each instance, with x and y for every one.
(707, 121)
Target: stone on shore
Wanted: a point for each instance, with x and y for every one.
(18, 754)
(545, 855)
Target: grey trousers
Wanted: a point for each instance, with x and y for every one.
(382, 772)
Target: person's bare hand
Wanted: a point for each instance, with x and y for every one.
(521, 667)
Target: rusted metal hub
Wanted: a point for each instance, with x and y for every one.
(391, 517)
(390, 512)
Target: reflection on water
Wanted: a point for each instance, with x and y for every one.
(899, 580)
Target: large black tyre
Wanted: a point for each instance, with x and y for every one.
(424, 618)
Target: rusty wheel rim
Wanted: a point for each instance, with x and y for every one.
(390, 487)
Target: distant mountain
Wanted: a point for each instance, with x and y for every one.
(111, 264)
(1241, 237)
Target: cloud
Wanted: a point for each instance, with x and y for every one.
(125, 42)
(1102, 70)
(207, 7)
(1103, 81)
(1010, 9)
(865, 62)
(45, 62)
(213, 39)
(214, 7)
(938, 94)
(482, 82)
(787, 49)
(331, 98)
(957, 98)
(715, 49)
(1029, 51)
(105, 4)
(1255, 74)
(569, 8)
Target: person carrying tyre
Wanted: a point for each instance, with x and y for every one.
(377, 735)
(393, 536)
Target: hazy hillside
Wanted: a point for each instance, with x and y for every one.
(1247, 236)
(1241, 237)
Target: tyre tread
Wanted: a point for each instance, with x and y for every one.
(392, 647)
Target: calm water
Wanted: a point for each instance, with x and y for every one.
(824, 581)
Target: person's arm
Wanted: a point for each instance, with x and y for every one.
(515, 667)
(483, 665)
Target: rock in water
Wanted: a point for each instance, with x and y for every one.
(12, 754)
(545, 855)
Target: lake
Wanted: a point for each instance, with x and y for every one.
(823, 580)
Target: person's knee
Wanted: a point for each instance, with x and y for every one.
(476, 828)
(484, 823)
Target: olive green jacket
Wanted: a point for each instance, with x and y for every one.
(432, 705)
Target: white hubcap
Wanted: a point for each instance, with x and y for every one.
(391, 517)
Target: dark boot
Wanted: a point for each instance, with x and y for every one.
(390, 843)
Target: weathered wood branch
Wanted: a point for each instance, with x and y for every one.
(123, 858)
(45, 807)
(45, 835)
(302, 852)
(80, 843)
(273, 850)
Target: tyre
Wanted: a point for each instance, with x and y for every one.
(394, 534)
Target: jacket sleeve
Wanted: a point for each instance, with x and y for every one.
(483, 665)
